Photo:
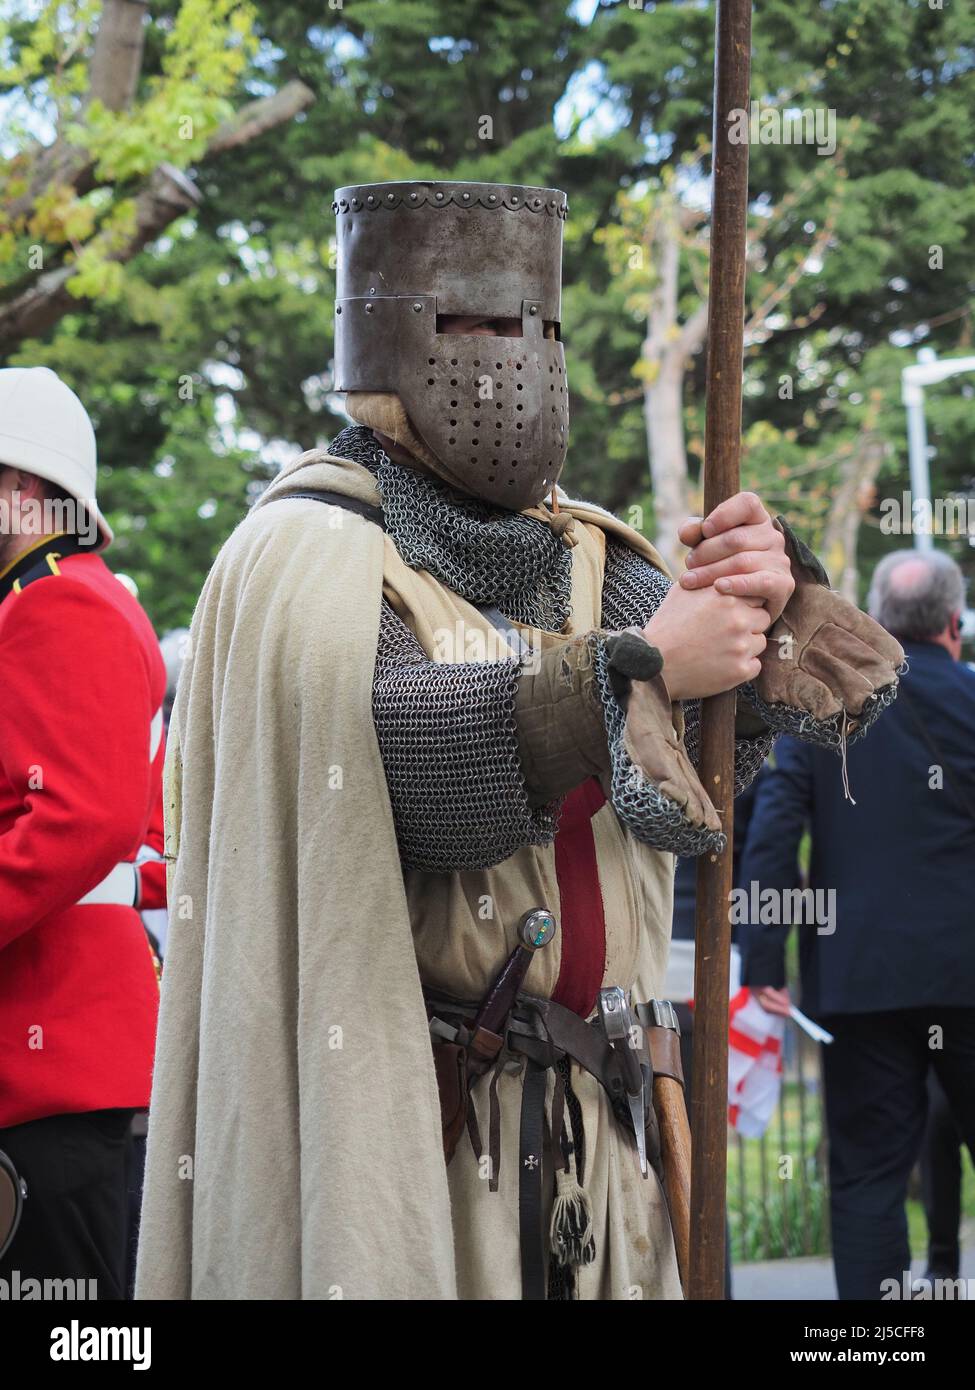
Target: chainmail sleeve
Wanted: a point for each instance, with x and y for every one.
(449, 746)
(750, 753)
(633, 590)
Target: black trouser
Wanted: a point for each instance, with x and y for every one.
(75, 1215)
(875, 1076)
(941, 1183)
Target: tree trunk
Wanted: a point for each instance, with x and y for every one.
(663, 406)
(116, 59)
(666, 348)
(857, 476)
(113, 75)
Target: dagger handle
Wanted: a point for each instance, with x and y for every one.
(500, 998)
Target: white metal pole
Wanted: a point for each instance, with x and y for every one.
(917, 447)
(927, 370)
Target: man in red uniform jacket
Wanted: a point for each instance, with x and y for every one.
(81, 687)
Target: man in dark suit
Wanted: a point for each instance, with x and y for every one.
(890, 969)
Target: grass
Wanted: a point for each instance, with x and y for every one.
(778, 1197)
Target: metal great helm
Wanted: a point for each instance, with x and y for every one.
(494, 411)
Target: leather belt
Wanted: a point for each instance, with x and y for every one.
(537, 1025)
(543, 1032)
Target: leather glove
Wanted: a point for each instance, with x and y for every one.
(649, 737)
(559, 721)
(824, 656)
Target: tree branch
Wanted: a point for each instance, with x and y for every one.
(168, 194)
(116, 62)
(259, 116)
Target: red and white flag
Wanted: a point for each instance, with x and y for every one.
(754, 1064)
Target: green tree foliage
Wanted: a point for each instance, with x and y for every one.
(205, 360)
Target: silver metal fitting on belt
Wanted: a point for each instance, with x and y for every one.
(664, 1014)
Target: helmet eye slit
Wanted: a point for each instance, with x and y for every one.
(471, 326)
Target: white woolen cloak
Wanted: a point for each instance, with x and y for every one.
(294, 1138)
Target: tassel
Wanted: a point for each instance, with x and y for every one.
(571, 1233)
(846, 778)
(571, 1237)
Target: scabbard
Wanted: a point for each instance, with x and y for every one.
(673, 1126)
(675, 1156)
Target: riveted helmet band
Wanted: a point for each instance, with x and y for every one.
(493, 410)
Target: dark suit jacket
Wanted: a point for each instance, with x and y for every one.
(901, 861)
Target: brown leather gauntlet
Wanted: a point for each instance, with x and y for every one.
(658, 753)
(562, 710)
(559, 717)
(824, 657)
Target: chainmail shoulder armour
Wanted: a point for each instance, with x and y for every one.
(486, 554)
(447, 730)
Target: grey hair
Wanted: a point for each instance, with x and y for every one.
(919, 603)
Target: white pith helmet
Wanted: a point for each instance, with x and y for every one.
(45, 430)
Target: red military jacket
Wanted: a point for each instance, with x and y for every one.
(82, 682)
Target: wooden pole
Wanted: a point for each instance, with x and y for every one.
(722, 449)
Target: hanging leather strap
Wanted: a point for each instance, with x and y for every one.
(533, 1263)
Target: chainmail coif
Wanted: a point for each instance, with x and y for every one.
(485, 554)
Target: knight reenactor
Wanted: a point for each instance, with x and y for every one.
(433, 753)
